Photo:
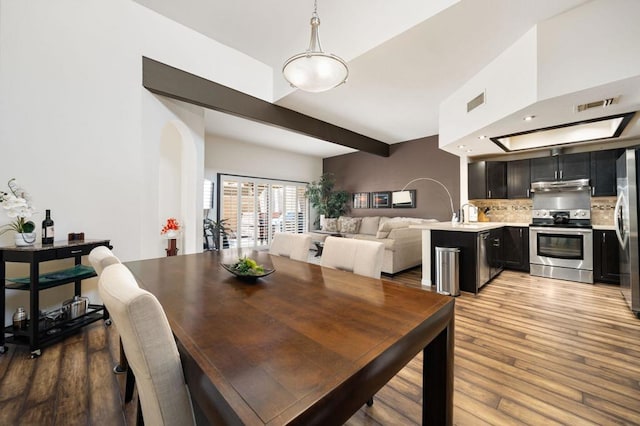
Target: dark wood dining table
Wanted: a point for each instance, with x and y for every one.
(305, 345)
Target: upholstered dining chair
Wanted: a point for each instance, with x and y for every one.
(101, 257)
(294, 246)
(150, 348)
(361, 257)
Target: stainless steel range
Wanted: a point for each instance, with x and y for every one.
(560, 234)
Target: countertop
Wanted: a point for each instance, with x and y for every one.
(484, 226)
(466, 227)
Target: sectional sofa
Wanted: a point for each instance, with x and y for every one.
(402, 245)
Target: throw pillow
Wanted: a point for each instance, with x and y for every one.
(330, 225)
(349, 225)
(369, 225)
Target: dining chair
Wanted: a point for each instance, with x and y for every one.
(362, 257)
(101, 257)
(294, 246)
(150, 348)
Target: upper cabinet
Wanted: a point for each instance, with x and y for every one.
(512, 179)
(518, 179)
(487, 179)
(603, 172)
(561, 167)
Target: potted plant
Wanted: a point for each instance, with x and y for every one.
(217, 230)
(17, 204)
(327, 201)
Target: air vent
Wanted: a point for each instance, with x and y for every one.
(597, 104)
(475, 102)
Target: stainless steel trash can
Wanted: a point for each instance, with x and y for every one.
(447, 270)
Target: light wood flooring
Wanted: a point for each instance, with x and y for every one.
(529, 350)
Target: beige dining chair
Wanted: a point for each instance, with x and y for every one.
(294, 246)
(361, 257)
(150, 348)
(101, 257)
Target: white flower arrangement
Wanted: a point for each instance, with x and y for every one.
(17, 205)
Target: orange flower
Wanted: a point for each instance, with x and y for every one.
(172, 225)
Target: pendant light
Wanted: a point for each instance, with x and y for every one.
(314, 70)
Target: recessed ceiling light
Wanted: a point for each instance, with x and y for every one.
(482, 137)
(529, 117)
(469, 150)
(461, 146)
(570, 133)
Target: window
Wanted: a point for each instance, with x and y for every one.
(256, 208)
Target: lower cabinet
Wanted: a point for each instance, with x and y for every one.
(606, 267)
(515, 248)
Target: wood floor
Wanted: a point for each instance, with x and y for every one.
(528, 351)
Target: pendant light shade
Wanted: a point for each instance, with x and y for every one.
(314, 70)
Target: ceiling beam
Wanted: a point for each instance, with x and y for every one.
(174, 83)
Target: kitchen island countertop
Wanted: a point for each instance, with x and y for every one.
(466, 227)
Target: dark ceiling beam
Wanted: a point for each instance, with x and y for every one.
(171, 82)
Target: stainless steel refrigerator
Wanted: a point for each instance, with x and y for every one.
(626, 224)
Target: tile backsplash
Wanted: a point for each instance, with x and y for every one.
(519, 211)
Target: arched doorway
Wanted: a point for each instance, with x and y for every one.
(177, 184)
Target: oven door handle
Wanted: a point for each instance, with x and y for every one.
(619, 221)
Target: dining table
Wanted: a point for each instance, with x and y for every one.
(306, 344)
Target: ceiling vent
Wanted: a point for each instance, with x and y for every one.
(597, 104)
(475, 102)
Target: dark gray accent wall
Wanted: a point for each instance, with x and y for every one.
(363, 172)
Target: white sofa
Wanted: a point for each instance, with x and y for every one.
(402, 245)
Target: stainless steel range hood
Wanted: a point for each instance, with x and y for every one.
(560, 186)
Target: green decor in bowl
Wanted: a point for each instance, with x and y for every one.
(247, 269)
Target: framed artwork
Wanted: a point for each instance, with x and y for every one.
(410, 205)
(381, 200)
(360, 200)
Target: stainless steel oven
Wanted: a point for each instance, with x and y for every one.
(563, 253)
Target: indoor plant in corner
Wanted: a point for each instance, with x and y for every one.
(217, 230)
(17, 204)
(328, 202)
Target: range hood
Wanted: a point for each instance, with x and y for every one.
(580, 131)
(561, 186)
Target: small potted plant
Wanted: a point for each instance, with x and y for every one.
(217, 230)
(171, 229)
(17, 204)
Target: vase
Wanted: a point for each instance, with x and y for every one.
(23, 239)
(171, 234)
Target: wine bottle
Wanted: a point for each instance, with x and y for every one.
(47, 229)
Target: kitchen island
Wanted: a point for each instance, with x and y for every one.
(465, 236)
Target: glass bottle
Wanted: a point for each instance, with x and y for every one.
(47, 229)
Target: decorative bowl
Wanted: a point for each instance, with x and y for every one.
(246, 276)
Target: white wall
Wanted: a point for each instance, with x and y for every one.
(588, 46)
(240, 158)
(509, 83)
(79, 131)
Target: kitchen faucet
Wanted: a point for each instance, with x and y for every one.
(464, 218)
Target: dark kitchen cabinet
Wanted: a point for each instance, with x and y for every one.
(561, 167)
(518, 179)
(603, 172)
(515, 248)
(495, 252)
(606, 267)
(487, 179)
